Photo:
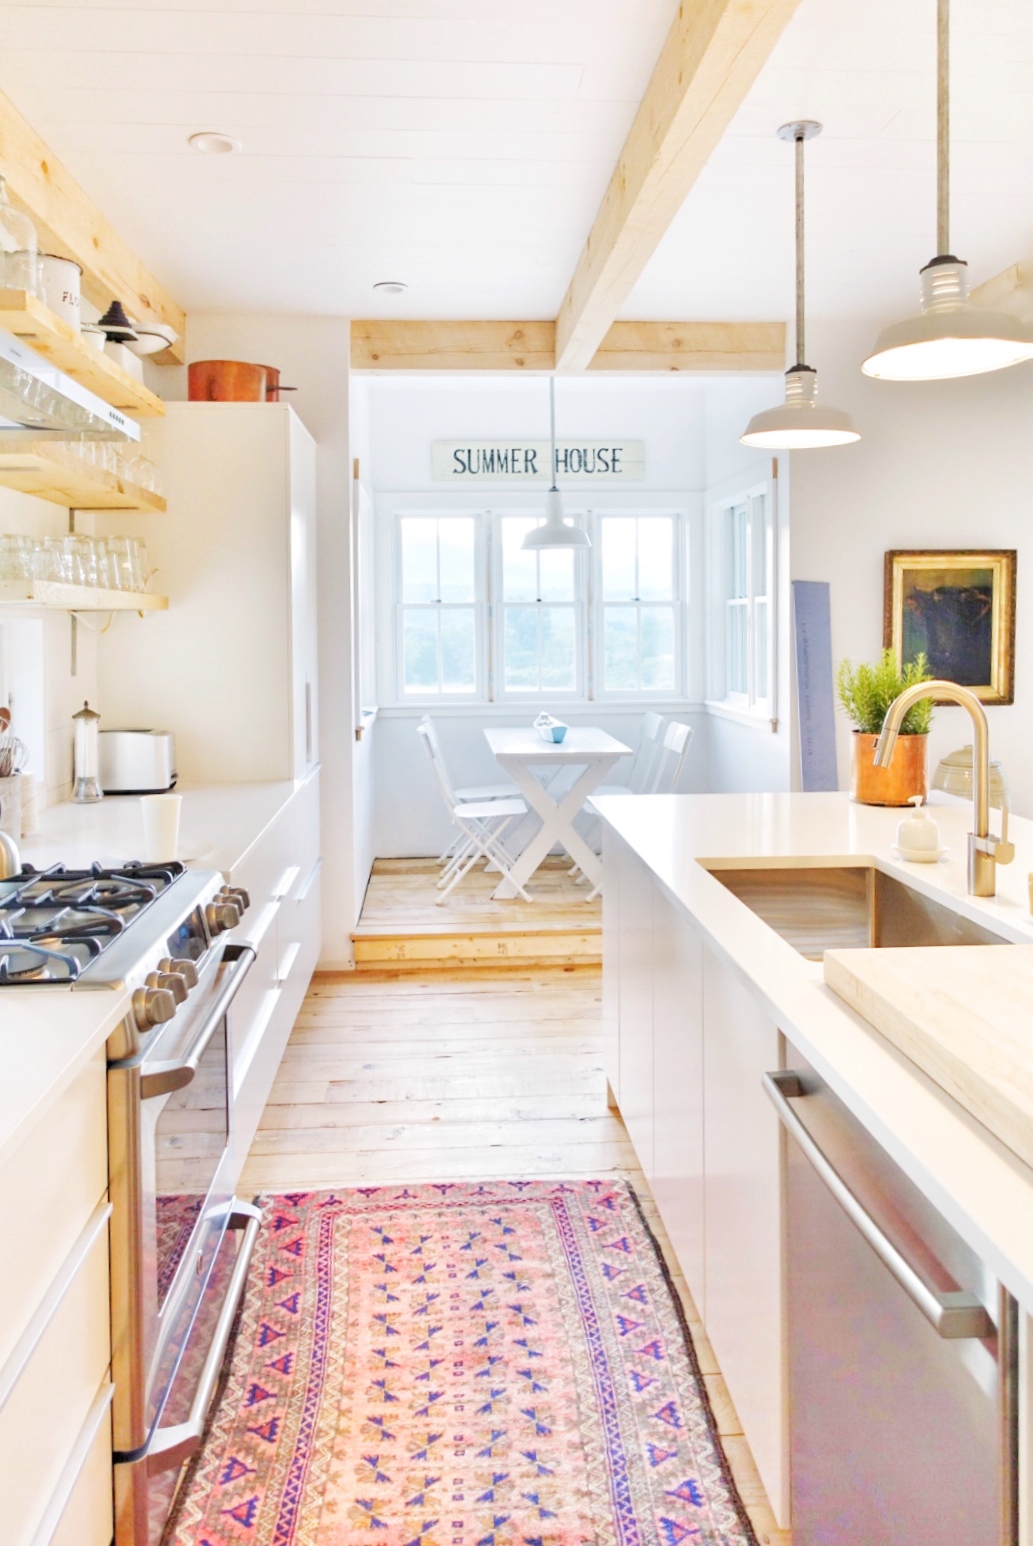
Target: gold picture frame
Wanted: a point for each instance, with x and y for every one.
(958, 606)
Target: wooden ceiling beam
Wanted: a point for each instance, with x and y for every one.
(69, 223)
(713, 54)
(648, 347)
(1010, 291)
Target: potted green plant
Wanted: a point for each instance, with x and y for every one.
(865, 693)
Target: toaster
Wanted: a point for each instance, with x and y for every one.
(137, 761)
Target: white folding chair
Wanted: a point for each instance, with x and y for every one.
(643, 764)
(481, 824)
(677, 739)
(506, 791)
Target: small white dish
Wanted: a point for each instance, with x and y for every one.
(920, 855)
(194, 853)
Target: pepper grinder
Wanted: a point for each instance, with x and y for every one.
(87, 785)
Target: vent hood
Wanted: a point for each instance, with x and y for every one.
(38, 401)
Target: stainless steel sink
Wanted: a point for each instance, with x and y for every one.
(843, 907)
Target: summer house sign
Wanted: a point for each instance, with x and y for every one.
(527, 461)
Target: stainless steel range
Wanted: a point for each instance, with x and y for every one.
(180, 1242)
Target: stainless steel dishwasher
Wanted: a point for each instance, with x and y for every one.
(902, 1347)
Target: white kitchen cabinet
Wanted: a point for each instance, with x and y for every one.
(635, 1004)
(611, 964)
(744, 1311)
(55, 1342)
(678, 1088)
(280, 872)
(230, 668)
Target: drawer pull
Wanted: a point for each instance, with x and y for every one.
(49, 1305)
(290, 955)
(286, 881)
(310, 880)
(62, 1494)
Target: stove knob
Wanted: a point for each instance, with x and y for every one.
(238, 896)
(184, 968)
(152, 1006)
(221, 916)
(175, 984)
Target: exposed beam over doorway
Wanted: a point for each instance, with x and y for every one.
(713, 54)
(390, 345)
(1010, 291)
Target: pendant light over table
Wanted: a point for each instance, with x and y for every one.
(555, 532)
(950, 337)
(801, 423)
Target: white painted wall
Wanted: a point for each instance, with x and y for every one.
(312, 354)
(45, 680)
(940, 465)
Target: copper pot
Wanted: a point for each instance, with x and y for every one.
(895, 785)
(226, 381)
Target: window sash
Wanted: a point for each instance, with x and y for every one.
(746, 540)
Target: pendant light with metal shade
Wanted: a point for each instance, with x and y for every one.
(950, 337)
(554, 531)
(801, 423)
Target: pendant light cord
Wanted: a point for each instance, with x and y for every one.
(801, 345)
(552, 425)
(943, 127)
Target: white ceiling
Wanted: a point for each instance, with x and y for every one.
(464, 145)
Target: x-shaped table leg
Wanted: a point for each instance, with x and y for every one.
(557, 818)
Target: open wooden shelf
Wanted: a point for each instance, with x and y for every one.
(27, 318)
(41, 469)
(78, 598)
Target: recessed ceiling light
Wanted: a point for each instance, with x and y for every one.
(211, 142)
(391, 287)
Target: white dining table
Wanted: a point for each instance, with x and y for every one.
(519, 752)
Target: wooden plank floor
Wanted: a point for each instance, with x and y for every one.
(403, 923)
(457, 1076)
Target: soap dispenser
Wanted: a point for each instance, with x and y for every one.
(918, 836)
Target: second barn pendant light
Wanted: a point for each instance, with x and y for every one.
(801, 423)
(950, 337)
(555, 532)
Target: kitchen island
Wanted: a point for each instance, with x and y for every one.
(701, 996)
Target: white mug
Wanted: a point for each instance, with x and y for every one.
(160, 826)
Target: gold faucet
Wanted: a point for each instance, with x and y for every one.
(985, 852)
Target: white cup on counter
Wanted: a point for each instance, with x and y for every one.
(160, 826)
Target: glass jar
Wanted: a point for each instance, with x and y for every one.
(87, 756)
(20, 267)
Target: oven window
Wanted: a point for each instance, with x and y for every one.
(190, 941)
(190, 1140)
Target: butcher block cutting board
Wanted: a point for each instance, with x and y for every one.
(964, 1016)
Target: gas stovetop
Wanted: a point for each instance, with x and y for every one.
(55, 923)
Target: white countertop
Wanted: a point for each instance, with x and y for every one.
(983, 1190)
(218, 824)
(47, 1034)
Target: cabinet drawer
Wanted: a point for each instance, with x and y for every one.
(308, 842)
(48, 1190)
(48, 1407)
(87, 1518)
(300, 940)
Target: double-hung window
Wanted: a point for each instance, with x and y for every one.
(438, 615)
(540, 624)
(637, 613)
(747, 646)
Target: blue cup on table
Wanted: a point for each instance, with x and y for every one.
(550, 729)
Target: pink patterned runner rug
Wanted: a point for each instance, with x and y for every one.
(460, 1365)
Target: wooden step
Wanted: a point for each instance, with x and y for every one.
(440, 949)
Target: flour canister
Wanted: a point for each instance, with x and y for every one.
(62, 279)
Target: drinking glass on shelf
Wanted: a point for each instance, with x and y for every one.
(15, 558)
(48, 560)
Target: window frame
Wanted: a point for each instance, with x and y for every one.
(750, 707)
(399, 607)
(686, 510)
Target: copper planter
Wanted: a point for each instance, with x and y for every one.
(895, 785)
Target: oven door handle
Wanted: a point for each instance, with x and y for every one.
(173, 1445)
(162, 1078)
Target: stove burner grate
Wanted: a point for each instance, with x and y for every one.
(55, 922)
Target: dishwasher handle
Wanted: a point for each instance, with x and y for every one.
(955, 1315)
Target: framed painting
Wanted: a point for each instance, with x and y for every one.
(958, 607)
